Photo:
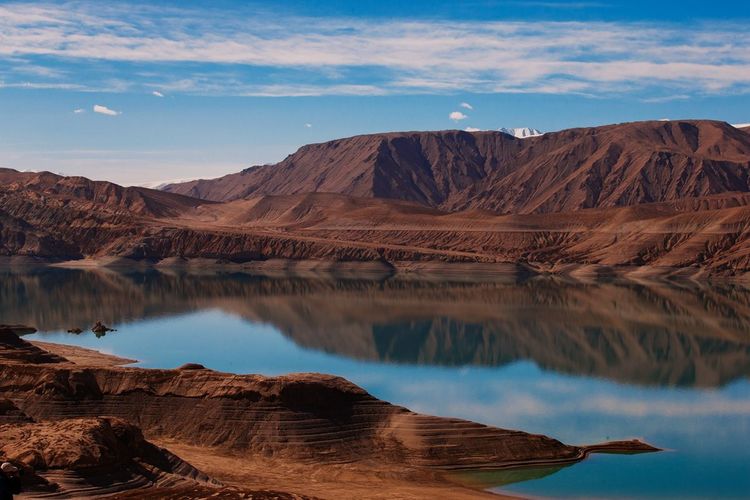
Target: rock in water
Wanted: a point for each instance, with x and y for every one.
(101, 329)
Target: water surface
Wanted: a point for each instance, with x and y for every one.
(581, 362)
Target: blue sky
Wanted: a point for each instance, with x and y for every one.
(140, 92)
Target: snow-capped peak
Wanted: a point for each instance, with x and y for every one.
(521, 133)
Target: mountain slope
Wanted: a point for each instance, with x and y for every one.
(616, 165)
(425, 167)
(698, 236)
(102, 194)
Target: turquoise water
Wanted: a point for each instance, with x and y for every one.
(581, 362)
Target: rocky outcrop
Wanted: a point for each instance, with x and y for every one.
(14, 349)
(309, 419)
(10, 414)
(84, 456)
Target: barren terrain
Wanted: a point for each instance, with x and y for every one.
(80, 428)
(673, 201)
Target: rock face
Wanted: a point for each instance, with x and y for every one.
(616, 165)
(311, 420)
(91, 457)
(75, 443)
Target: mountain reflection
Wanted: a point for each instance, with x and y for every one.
(651, 334)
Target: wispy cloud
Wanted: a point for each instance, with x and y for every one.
(104, 110)
(668, 98)
(157, 93)
(308, 125)
(466, 105)
(280, 56)
(79, 111)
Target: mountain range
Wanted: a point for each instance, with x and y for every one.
(666, 195)
(602, 167)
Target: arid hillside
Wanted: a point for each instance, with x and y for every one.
(651, 197)
(601, 167)
(137, 200)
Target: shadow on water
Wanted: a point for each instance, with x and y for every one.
(648, 334)
(486, 479)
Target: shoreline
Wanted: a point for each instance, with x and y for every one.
(92, 357)
(167, 388)
(428, 270)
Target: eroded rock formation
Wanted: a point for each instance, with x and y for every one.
(313, 421)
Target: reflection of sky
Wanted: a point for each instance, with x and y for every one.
(707, 429)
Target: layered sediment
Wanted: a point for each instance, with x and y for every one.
(314, 424)
(648, 198)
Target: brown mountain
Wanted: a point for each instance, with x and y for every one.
(601, 167)
(114, 198)
(450, 185)
(698, 236)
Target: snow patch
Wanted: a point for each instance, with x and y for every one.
(522, 132)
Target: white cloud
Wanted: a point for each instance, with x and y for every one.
(457, 116)
(669, 98)
(591, 58)
(157, 93)
(79, 111)
(308, 125)
(466, 105)
(472, 129)
(104, 110)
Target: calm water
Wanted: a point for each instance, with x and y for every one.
(583, 363)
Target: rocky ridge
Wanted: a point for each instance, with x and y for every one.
(600, 167)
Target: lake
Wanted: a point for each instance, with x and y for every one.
(582, 362)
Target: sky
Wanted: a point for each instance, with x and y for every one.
(146, 92)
